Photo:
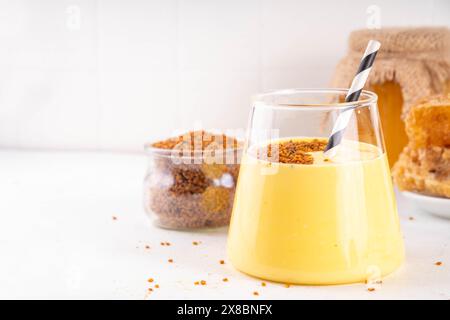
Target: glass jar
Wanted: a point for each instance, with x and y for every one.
(390, 106)
(191, 191)
(412, 64)
(390, 102)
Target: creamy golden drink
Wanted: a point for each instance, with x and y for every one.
(315, 220)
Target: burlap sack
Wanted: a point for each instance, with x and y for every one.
(418, 59)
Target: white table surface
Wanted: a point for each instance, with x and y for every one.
(58, 239)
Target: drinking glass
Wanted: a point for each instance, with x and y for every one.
(330, 221)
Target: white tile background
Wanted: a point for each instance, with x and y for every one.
(120, 73)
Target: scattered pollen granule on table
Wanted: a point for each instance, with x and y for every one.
(225, 279)
(411, 218)
(370, 289)
(287, 285)
(114, 218)
(170, 260)
(157, 286)
(222, 262)
(147, 247)
(439, 263)
(203, 282)
(263, 284)
(196, 283)
(195, 243)
(150, 280)
(255, 293)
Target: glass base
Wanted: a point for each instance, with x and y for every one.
(371, 274)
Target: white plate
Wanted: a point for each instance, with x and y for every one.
(435, 205)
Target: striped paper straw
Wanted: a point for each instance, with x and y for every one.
(353, 95)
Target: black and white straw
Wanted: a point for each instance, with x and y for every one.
(353, 95)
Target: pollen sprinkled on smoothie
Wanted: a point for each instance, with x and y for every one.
(295, 151)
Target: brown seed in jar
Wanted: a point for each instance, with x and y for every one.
(215, 199)
(188, 181)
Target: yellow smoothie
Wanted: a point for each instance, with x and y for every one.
(334, 221)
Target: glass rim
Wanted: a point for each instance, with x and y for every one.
(367, 98)
(150, 150)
